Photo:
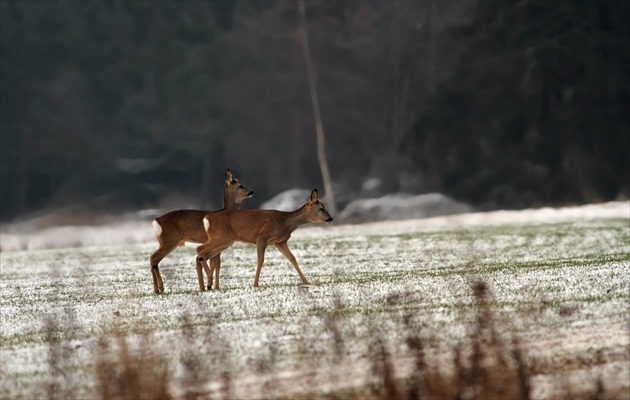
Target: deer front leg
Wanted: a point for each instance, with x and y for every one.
(261, 245)
(284, 249)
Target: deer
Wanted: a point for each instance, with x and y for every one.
(259, 227)
(177, 227)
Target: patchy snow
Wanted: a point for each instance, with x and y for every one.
(401, 206)
(288, 200)
(13, 238)
(77, 236)
(560, 279)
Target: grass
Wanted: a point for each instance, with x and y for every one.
(395, 310)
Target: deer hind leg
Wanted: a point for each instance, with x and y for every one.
(156, 257)
(209, 250)
(261, 245)
(200, 266)
(284, 249)
(167, 245)
(158, 283)
(215, 268)
(208, 271)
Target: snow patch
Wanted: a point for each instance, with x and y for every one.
(20, 237)
(402, 206)
(288, 200)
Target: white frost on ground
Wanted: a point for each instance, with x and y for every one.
(563, 290)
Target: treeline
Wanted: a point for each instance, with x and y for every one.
(120, 104)
(537, 109)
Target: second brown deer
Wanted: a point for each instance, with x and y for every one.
(259, 227)
(177, 227)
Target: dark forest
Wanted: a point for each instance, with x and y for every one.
(120, 105)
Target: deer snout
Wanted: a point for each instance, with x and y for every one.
(329, 219)
(250, 194)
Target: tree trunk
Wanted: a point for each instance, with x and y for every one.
(319, 126)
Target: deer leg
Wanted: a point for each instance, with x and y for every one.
(284, 249)
(215, 268)
(199, 266)
(156, 257)
(209, 250)
(208, 271)
(215, 264)
(158, 283)
(261, 245)
(199, 261)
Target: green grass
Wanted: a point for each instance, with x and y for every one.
(569, 280)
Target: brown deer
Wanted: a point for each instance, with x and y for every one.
(177, 227)
(259, 227)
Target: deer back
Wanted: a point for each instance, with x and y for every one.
(244, 225)
(186, 225)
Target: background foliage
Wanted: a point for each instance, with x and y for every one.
(119, 104)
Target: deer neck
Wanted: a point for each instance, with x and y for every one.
(297, 218)
(229, 201)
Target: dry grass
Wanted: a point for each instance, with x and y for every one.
(489, 364)
(124, 371)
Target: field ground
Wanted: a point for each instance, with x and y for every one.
(558, 285)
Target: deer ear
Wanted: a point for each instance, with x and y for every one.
(313, 196)
(228, 176)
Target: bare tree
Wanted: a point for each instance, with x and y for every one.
(319, 126)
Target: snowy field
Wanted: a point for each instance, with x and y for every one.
(559, 280)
